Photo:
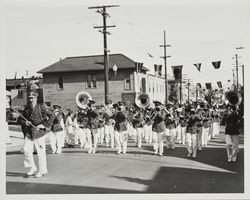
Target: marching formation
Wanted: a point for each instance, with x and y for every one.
(114, 124)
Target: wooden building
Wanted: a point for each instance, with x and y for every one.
(67, 77)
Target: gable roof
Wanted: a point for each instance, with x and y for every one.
(87, 63)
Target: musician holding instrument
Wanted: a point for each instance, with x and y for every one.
(121, 132)
(57, 131)
(231, 119)
(159, 129)
(38, 120)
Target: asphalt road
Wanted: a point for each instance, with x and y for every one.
(139, 171)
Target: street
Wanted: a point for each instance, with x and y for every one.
(139, 171)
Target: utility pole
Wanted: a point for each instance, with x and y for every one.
(165, 64)
(237, 66)
(243, 76)
(102, 11)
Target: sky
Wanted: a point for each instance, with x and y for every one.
(39, 33)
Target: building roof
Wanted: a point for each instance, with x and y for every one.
(87, 63)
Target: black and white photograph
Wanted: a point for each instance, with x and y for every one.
(125, 99)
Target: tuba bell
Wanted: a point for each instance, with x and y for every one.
(142, 100)
(82, 99)
(233, 98)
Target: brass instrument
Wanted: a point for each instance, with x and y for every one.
(82, 99)
(233, 98)
(142, 100)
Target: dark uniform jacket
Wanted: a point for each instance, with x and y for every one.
(159, 124)
(232, 123)
(37, 115)
(120, 122)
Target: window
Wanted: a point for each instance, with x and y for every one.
(127, 84)
(60, 82)
(20, 94)
(91, 81)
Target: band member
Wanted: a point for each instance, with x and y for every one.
(83, 130)
(216, 123)
(109, 124)
(138, 124)
(206, 126)
(93, 124)
(121, 132)
(231, 120)
(69, 128)
(191, 135)
(199, 125)
(57, 131)
(183, 123)
(39, 121)
(170, 126)
(159, 130)
(101, 125)
(148, 126)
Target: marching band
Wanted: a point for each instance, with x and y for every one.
(114, 124)
(191, 125)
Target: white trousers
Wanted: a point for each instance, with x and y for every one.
(121, 139)
(191, 144)
(82, 132)
(171, 137)
(158, 142)
(101, 132)
(41, 152)
(148, 133)
(216, 129)
(56, 141)
(232, 145)
(96, 137)
(178, 134)
(205, 136)
(183, 135)
(138, 136)
(109, 135)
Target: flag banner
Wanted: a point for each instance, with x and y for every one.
(219, 84)
(216, 64)
(208, 86)
(138, 66)
(158, 70)
(199, 85)
(177, 71)
(198, 66)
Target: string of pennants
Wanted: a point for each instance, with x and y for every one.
(209, 85)
(216, 65)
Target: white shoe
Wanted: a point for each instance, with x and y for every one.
(90, 150)
(229, 160)
(39, 175)
(189, 155)
(53, 151)
(160, 154)
(31, 171)
(156, 152)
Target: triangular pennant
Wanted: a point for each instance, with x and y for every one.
(219, 84)
(216, 64)
(199, 85)
(177, 71)
(208, 86)
(198, 66)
